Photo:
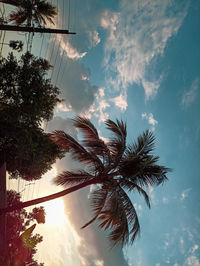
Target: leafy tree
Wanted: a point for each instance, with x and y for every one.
(21, 244)
(36, 11)
(16, 45)
(116, 168)
(27, 97)
(25, 88)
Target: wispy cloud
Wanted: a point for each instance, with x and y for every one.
(189, 96)
(185, 193)
(192, 261)
(138, 33)
(120, 101)
(151, 120)
(181, 243)
(194, 248)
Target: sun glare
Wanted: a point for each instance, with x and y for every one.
(55, 212)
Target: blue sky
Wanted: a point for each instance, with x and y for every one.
(138, 61)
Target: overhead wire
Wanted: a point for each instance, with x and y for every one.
(69, 15)
(59, 45)
(41, 45)
(25, 188)
(3, 33)
(63, 52)
(63, 23)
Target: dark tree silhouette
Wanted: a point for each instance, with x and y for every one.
(36, 11)
(116, 168)
(19, 252)
(26, 99)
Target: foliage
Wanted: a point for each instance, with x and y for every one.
(26, 98)
(16, 45)
(36, 11)
(118, 169)
(21, 243)
(25, 88)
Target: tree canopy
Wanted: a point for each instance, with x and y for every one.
(36, 11)
(27, 97)
(20, 248)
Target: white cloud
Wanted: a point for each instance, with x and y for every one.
(67, 50)
(165, 200)
(137, 34)
(152, 195)
(150, 88)
(185, 193)
(120, 101)
(181, 243)
(78, 93)
(192, 261)
(86, 18)
(109, 21)
(101, 92)
(99, 263)
(194, 248)
(189, 96)
(65, 46)
(151, 120)
(98, 109)
(63, 107)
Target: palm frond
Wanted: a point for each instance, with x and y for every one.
(44, 10)
(114, 217)
(153, 175)
(118, 128)
(79, 153)
(98, 200)
(37, 11)
(131, 186)
(88, 129)
(18, 17)
(131, 214)
(114, 210)
(142, 169)
(71, 178)
(91, 137)
(117, 144)
(59, 137)
(145, 143)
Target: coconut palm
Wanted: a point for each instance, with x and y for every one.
(115, 168)
(36, 11)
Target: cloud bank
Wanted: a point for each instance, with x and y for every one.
(138, 33)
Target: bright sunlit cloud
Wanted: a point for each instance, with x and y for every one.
(55, 214)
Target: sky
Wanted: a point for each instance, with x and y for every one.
(138, 61)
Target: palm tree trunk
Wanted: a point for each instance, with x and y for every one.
(49, 197)
(11, 2)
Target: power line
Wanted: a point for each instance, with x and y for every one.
(59, 67)
(69, 15)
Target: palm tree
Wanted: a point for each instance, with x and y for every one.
(37, 11)
(116, 169)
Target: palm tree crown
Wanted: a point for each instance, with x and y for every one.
(117, 168)
(36, 11)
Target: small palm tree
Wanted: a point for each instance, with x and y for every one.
(36, 11)
(116, 169)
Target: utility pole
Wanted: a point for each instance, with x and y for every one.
(3, 204)
(35, 30)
